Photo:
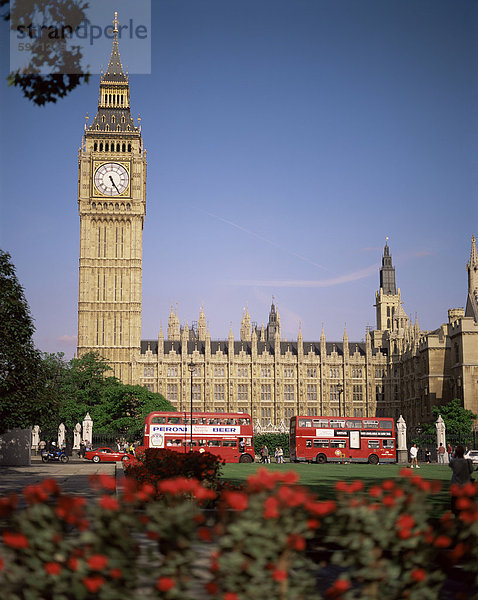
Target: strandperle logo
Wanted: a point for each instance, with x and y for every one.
(86, 30)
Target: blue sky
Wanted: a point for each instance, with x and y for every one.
(286, 139)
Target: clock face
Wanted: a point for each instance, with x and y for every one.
(111, 179)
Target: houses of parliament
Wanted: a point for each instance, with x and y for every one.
(398, 369)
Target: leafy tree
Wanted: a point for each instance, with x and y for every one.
(85, 386)
(55, 68)
(458, 421)
(21, 372)
(272, 441)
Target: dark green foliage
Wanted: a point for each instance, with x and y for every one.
(272, 441)
(55, 67)
(22, 375)
(85, 386)
(458, 421)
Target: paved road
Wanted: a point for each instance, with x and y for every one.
(73, 477)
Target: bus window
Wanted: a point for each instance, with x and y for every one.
(174, 420)
(321, 423)
(214, 442)
(201, 421)
(173, 443)
(374, 444)
(370, 424)
(321, 444)
(354, 424)
(243, 421)
(386, 424)
(187, 420)
(308, 443)
(229, 443)
(214, 421)
(158, 420)
(248, 441)
(188, 443)
(337, 444)
(231, 422)
(305, 423)
(389, 444)
(337, 424)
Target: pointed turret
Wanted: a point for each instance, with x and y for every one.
(114, 113)
(387, 272)
(202, 325)
(174, 329)
(273, 326)
(246, 326)
(472, 268)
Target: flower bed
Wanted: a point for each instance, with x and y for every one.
(143, 541)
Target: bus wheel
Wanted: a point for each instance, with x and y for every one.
(321, 459)
(245, 458)
(373, 459)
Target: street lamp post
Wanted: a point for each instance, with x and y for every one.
(340, 389)
(191, 367)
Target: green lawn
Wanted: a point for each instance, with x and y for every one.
(321, 478)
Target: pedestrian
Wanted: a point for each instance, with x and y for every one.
(242, 445)
(462, 469)
(41, 446)
(441, 454)
(449, 448)
(276, 455)
(428, 456)
(265, 454)
(81, 451)
(280, 454)
(413, 456)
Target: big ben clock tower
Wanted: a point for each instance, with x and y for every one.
(112, 207)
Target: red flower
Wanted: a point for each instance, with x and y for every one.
(236, 500)
(53, 568)
(279, 575)
(15, 540)
(164, 584)
(340, 586)
(34, 494)
(72, 563)
(211, 588)
(93, 583)
(418, 574)
(296, 542)
(109, 503)
(50, 486)
(271, 506)
(375, 491)
(107, 482)
(205, 534)
(405, 522)
(2, 564)
(404, 534)
(442, 541)
(116, 573)
(97, 562)
(321, 509)
(389, 501)
(230, 596)
(388, 484)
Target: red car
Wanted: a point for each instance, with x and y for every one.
(105, 455)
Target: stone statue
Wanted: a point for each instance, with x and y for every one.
(402, 452)
(35, 437)
(76, 437)
(61, 435)
(441, 431)
(88, 428)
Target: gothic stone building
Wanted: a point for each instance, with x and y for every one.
(398, 369)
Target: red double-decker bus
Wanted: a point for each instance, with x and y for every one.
(342, 439)
(228, 435)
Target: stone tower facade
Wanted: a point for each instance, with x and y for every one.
(112, 208)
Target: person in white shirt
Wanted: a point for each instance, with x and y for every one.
(413, 456)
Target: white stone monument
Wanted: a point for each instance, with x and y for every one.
(88, 429)
(76, 437)
(35, 437)
(441, 434)
(61, 435)
(402, 451)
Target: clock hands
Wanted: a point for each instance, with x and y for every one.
(114, 184)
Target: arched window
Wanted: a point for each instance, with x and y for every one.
(105, 206)
(101, 147)
(121, 100)
(129, 147)
(117, 146)
(95, 147)
(97, 126)
(103, 119)
(116, 206)
(123, 120)
(93, 205)
(128, 206)
(128, 128)
(124, 147)
(106, 147)
(107, 128)
(118, 128)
